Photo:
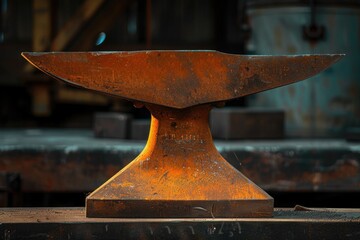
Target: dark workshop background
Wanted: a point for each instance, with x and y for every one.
(34, 107)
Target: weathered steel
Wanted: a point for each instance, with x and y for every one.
(329, 103)
(178, 79)
(70, 223)
(179, 173)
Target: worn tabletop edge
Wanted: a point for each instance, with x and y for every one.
(77, 216)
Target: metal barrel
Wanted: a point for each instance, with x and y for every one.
(329, 103)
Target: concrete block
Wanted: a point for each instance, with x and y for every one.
(140, 129)
(112, 125)
(247, 123)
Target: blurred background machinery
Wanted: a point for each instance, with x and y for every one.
(329, 105)
(300, 130)
(49, 25)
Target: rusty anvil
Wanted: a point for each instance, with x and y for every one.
(179, 173)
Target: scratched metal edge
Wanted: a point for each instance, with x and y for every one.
(169, 51)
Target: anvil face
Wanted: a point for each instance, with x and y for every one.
(178, 79)
(179, 173)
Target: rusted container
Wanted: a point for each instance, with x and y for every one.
(330, 102)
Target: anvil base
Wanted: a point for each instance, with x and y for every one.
(179, 174)
(105, 208)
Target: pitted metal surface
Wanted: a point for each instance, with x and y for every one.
(179, 173)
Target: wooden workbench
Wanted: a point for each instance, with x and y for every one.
(71, 223)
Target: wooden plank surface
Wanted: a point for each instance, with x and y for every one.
(70, 223)
(77, 215)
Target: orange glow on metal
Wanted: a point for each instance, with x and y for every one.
(179, 173)
(178, 79)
